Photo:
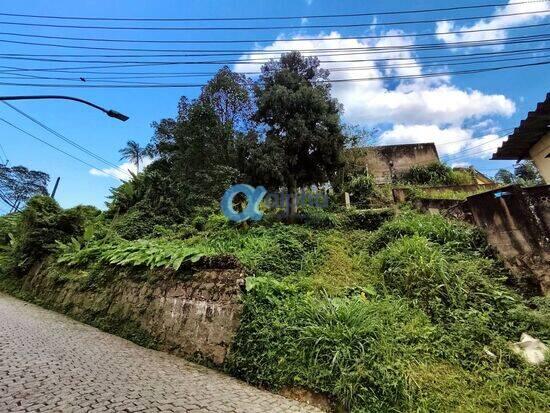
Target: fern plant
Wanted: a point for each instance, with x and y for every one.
(155, 253)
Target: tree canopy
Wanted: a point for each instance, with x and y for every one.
(282, 130)
(301, 121)
(18, 184)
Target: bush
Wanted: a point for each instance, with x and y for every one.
(151, 253)
(343, 347)
(435, 174)
(277, 250)
(138, 223)
(414, 268)
(361, 189)
(320, 218)
(453, 234)
(42, 223)
(367, 219)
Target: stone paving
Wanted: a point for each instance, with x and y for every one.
(50, 363)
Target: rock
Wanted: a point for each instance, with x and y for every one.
(489, 353)
(531, 349)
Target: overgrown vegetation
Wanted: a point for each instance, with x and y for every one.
(436, 174)
(365, 308)
(380, 310)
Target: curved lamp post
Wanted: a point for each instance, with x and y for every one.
(109, 112)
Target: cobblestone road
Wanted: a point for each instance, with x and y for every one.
(51, 363)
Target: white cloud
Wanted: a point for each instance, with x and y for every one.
(460, 165)
(304, 20)
(484, 147)
(449, 141)
(410, 102)
(494, 23)
(121, 172)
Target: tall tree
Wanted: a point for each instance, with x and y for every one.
(18, 184)
(301, 120)
(527, 174)
(135, 153)
(504, 176)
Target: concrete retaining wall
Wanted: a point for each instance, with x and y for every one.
(517, 223)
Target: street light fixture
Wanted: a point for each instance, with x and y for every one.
(109, 112)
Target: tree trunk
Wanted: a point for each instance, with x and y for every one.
(293, 200)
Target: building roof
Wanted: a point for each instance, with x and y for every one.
(529, 131)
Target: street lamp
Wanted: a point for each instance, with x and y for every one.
(109, 112)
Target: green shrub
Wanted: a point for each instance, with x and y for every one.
(8, 230)
(435, 174)
(277, 250)
(320, 218)
(414, 268)
(151, 253)
(344, 347)
(454, 234)
(367, 219)
(361, 189)
(138, 223)
(8, 225)
(42, 223)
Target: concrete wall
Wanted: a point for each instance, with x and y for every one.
(434, 206)
(540, 154)
(196, 317)
(401, 195)
(517, 223)
(383, 162)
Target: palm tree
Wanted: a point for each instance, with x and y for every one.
(135, 153)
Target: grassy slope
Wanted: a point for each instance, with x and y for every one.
(396, 319)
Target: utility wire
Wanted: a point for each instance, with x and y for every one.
(64, 138)
(317, 26)
(5, 155)
(121, 79)
(237, 52)
(198, 85)
(261, 60)
(459, 154)
(465, 153)
(469, 139)
(55, 147)
(272, 40)
(449, 45)
(84, 69)
(469, 155)
(310, 16)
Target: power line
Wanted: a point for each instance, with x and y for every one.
(311, 16)
(465, 153)
(242, 51)
(5, 155)
(55, 147)
(229, 52)
(84, 69)
(261, 60)
(64, 138)
(470, 138)
(121, 79)
(191, 85)
(462, 157)
(317, 26)
(272, 40)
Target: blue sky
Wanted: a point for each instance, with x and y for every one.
(462, 114)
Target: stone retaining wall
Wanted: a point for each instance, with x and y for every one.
(196, 317)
